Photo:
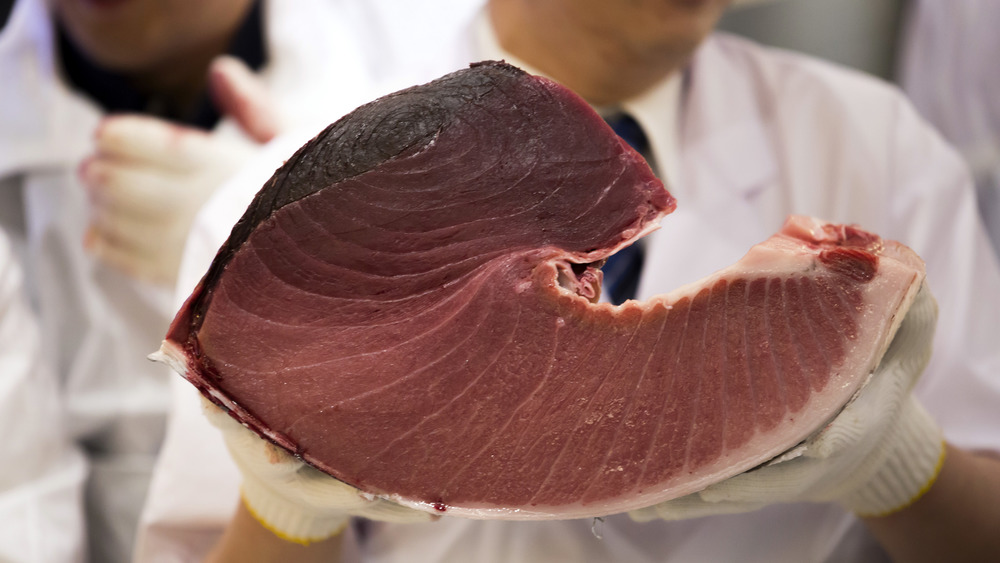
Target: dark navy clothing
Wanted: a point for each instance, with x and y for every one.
(622, 270)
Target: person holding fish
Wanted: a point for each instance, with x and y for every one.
(743, 136)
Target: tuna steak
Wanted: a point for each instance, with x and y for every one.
(408, 306)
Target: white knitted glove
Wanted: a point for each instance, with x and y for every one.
(294, 500)
(880, 454)
(149, 177)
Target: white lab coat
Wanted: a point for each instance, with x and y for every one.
(42, 475)
(763, 134)
(99, 325)
(948, 68)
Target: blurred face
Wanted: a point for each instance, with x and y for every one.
(140, 35)
(605, 50)
(647, 30)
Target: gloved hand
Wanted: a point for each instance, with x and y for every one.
(149, 177)
(292, 499)
(881, 453)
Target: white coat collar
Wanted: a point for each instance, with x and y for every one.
(727, 162)
(658, 110)
(41, 118)
(726, 145)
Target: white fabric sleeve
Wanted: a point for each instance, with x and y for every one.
(934, 212)
(41, 471)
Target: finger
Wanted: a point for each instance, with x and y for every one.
(124, 258)
(143, 246)
(152, 248)
(911, 345)
(687, 508)
(215, 414)
(149, 140)
(246, 446)
(387, 511)
(129, 188)
(691, 506)
(646, 514)
(138, 234)
(799, 479)
(242, 96)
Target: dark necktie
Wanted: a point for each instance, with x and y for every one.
(621, 271)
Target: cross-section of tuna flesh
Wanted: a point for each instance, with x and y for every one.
(408, 305)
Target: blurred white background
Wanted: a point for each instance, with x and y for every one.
(863, 34)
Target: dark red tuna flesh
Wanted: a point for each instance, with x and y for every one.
(407, 306)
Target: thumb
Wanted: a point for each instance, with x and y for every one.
(239, 94)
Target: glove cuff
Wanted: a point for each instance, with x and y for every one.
(285, 519)
(916, 453)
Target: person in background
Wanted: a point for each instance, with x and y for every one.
(743, 135)
(948, 70)
(117, 120)
(43, 472)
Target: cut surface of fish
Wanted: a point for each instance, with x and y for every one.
(408, 305)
